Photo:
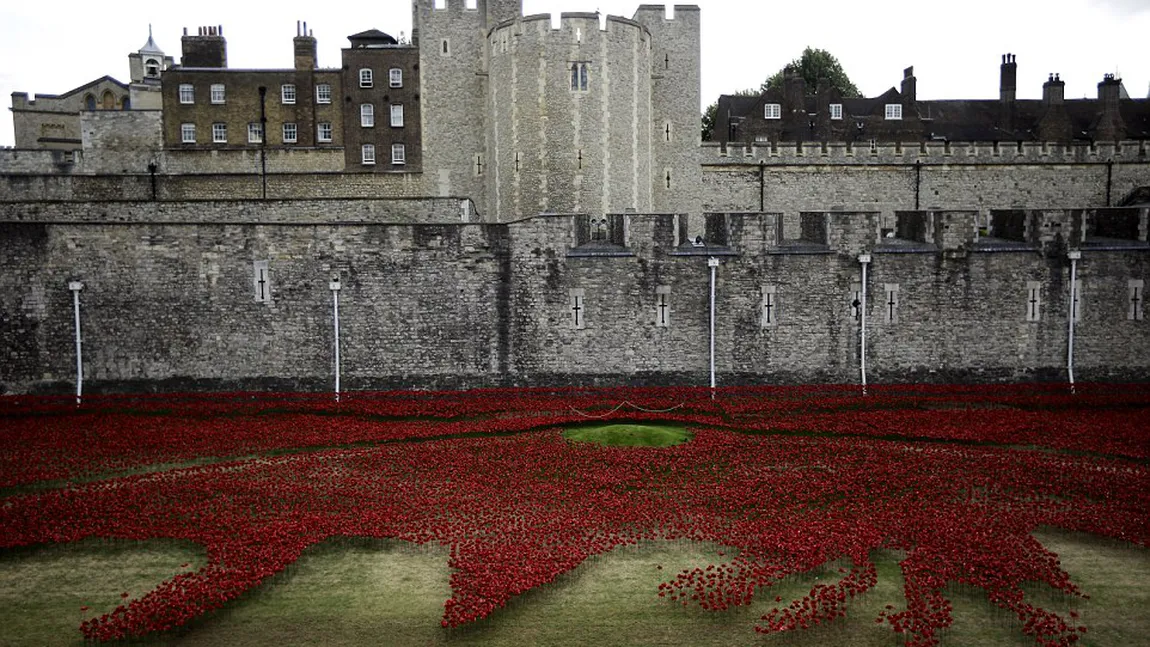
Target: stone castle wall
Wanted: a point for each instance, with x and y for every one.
(792, 179)
(173, 305)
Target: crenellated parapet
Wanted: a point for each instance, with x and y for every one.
(812, 153)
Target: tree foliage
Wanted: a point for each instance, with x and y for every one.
(813, 65)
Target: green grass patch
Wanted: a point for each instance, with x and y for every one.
(629, 435)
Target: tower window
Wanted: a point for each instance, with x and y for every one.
(893, 111)
(772, 111)
(367, 154)
(580, 73)
(366, 78)
(290, 133)
(323, 132)
(187, 95)
(217, 93)
(366, 115)
(323, 93)
(90, 101)
(188, 133)
(445, 47)
(255, 133)
(220, 133)
(287, 93)
(398, 154)
(836, 111)
(397, 115)
(395, 77)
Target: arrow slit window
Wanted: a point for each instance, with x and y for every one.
(663, 306)
(261, 282)
(770, 306)
(577, 308)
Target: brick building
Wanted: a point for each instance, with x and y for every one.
(52, 121)
(798, 113)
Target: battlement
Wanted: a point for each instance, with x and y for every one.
(574, 24)
(718, 153)
(669, 13)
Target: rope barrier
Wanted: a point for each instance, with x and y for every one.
(626, 403)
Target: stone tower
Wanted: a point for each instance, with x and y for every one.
(145, 67)
(595, 115)
(675, 94)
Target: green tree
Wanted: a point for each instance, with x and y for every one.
(813, 65)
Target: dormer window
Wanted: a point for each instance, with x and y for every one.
(772, 111)
(893, 111)
(836, 111)
(152, 67)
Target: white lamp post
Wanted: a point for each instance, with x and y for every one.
(864, 260)
(712, 263)
(334, 286)
(75, 287)
(1074, 255)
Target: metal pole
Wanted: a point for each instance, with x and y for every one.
(1072, 311)
(335, 318)
(864, 260)
(75, 287)
(713, 263)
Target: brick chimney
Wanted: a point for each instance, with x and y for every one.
(1110, 124)
(794, 90)
(1055, 123)
(304, 42)
(909, 87)
(206, 49)
(1008, 79)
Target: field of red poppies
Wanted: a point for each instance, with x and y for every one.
(785, 479)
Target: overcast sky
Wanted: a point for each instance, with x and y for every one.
(955, 49)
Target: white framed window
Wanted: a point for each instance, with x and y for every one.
(580, 73)
(217, 94)
(397, 115)
(367, 154)
(323, 93)
(836, 111)
(188, 133)
(291, 133)
(323, 132)
(894, 111)
(772, 111)
(398, 154)
(187, 93)
(395, 77)
(366, 115)
(255, 133)
(220, 133)
(366, 79)
(287, 93)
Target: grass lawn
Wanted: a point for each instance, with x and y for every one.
(361, 592)
(629, 435)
